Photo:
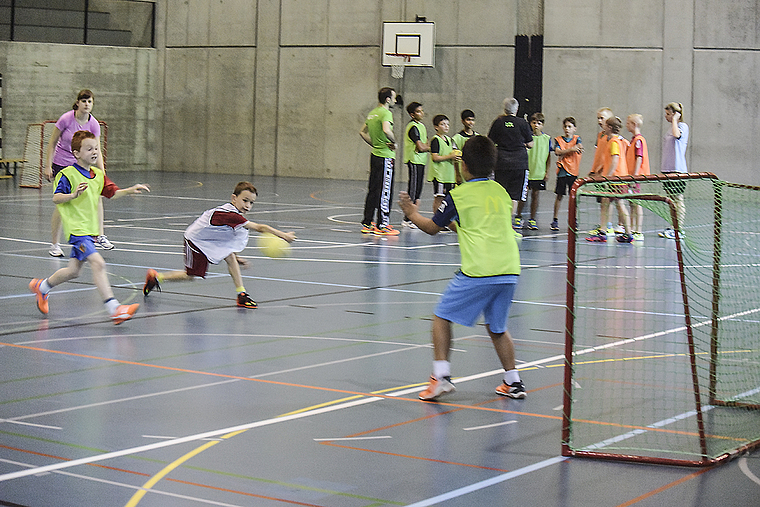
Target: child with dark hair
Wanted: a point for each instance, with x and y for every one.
(486, 282)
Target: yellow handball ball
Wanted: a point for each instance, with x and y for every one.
(273, 246)
(457, 153)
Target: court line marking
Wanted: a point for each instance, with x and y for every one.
(745, 468)
(504, 423)
(380, 437)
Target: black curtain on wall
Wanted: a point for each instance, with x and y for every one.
(529, 61)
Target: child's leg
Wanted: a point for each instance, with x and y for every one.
(234, 268)
(65, 274)
(520, 206)
(437, 200)
(557, 203)
(604, 213)
(99, 275)
(625, 217)
(505, 348)
(637, 217)
(55, 226)
(533, 203)
(441, 333)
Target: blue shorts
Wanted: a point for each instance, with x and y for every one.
(82, 247)
(466, 298)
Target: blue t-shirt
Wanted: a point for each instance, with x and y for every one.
(447, 211)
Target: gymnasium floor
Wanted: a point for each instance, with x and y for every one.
(309, 400)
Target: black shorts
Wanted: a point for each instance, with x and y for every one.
(564, 184)
(537, 184)
(514, 182)
(441, 189)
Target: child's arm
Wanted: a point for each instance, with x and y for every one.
(61, 197)
(411, 210)
(134, 189)
(287, 236)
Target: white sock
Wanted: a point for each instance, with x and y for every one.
(45, 286)
(511, 376)
(441, 369)
(111, 306)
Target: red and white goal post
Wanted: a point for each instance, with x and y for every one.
(35, 151)
(662, 352)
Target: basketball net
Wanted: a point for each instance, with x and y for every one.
(397, 69)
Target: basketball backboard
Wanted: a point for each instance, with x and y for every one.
(417, 40)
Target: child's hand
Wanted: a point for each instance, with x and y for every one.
(242, 262)
(406, 204)
(136, 189)
(289, 236)
(80, 188)
(676, 116)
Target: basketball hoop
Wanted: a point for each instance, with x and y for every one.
(397, 69)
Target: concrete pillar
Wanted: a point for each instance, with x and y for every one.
(266, 86)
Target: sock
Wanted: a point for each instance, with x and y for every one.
(111, 305)
(441, 369)
(45, 286)
(160, 277)
(511, 376)
(240, 289)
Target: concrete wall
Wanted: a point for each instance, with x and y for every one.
(282, 87)
(41, 82)
(702, 54)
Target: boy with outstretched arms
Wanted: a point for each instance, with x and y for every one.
(415, 153)
(538, 167)
(78, 189)
(486, 282)
(569, 150)
(219, 234)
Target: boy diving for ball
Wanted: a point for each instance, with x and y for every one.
(78, 189)
(219, 234)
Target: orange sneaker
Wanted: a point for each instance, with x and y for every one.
(245, 301)
(42, 299)
(436, 388)
(385, 231)
(514, 390)
(151, 282)
(124, 312)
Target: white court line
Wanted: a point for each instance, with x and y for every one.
(745, 468)
(161, 437)
(504, 423)
(44, 426)
(351, 438)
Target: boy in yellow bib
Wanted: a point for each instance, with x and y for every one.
(78, 190)
(486, 282)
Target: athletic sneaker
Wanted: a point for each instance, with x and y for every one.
(410, 224)
(124, 312)
(518, 235)
(598, 237)
(437, 387)
(518, 223)
(637, 236)
(102, 242)
(624, 238)
(42, 299)
(619, 229)
(56, 250)
(554, 225)
(151, 282)
(245, 301)
(514, 390)
(668, 234)
(385, 231)
(532, 225)
(367, 229)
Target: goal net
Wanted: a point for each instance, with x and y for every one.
(663, 336)
(35, 150)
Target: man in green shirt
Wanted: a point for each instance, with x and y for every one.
(378, 133)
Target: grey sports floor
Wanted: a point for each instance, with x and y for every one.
(311, 399)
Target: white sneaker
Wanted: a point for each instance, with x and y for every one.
(102, 242)
(668, 234)
(409, 224)
(56, 250)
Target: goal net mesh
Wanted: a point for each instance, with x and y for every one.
(35, 150)
(663, 336)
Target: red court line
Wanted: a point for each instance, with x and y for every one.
(663, 488)
(206, 486)
(413, 457)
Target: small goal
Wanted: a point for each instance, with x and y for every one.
(663, 336)
(35, 150)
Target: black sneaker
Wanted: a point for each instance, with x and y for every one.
(514, 390)
(245, 301)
